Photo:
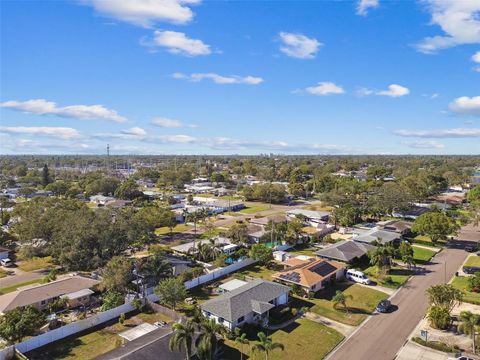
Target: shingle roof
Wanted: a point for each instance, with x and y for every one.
(345, 250)
(250, 297)
(51, 290)
(382, 236)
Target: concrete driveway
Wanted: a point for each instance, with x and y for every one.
(382, 335)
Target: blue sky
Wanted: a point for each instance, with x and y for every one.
(240, 77)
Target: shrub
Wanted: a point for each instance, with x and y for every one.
(294, 312)
(439, 317)
(121, 319)
(437, 345)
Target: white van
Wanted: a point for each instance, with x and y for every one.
(6, 262)
(357, 276)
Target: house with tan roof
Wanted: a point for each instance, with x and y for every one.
(312, 275)
(76, 289)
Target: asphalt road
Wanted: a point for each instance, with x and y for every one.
(382, 335)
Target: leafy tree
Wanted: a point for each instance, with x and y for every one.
(241, 339)
(19, 323)
(171, 291)
(474, 282)
(117, 275)
(128, 190)
(294, 231)
(58, 187)
(406, 253)
(341, 298)
(238, 232)
(111, 299)
(183, 335)
(436, 225)
(266, 345)
(46, 176)
(473, 196)
(208, 341)
(444, 295)
(470, 322)
(439, 317)
(261, 253)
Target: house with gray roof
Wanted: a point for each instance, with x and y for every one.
(376, 235)
(249, 303)
(345, 251)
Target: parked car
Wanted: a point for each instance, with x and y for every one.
(461, 357)
(6, 262)
(160, 324)
(471, 248)
(471, 269)
(358, 277)
(383, 306)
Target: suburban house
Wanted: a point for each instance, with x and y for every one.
(4, 252)
(249, 303)
(192, 246)
(399, 226)
(347, 251)
(77, 290)
(376, 235)
(312, 275)
(255, 232)
(263, 221)
(412, 213)
(310, 216)
(101, 200)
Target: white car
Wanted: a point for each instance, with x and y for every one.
(6, 262)
(358, 277)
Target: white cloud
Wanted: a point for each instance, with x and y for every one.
(299, 46)
(135, 131)
(324, 88)
(177, 43)
(459, 21)
(445, 133)
(476, 59)
(394, 90)
(55, 132)
(364, 5)
(145, 13)
(466, 105)
(427, 144)
(83, 112)
(220, 79)
(170, 123)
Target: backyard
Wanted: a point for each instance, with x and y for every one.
(35, 263)
(304, 339)
(258, 271)
(254, 207)
(362, 303)
(180, 228)
(95, 343)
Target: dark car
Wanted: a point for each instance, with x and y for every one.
(383, 306)
(470, 248)
(471, 269)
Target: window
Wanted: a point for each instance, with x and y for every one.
(220, 320)
(43, 302)
(241, 319)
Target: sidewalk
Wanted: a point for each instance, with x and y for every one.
(384, 289)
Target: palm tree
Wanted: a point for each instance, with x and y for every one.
(208, 339)
(157, 268)
(470, 322)
(241, 339)
(183, 336)
(381, 257)
(341, 298)
(266, 344)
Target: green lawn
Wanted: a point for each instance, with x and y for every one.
(422, 255)
(460, 282)
(176, 230)
(473, 260)
(36, 263)
(93, 344)
(12, 288)
(363, 302)
(425, 240)
(304, 339)
(258, 271)
(252, 208)
(397, 275)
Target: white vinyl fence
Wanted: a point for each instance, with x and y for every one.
(218, 273)
(88, 323)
